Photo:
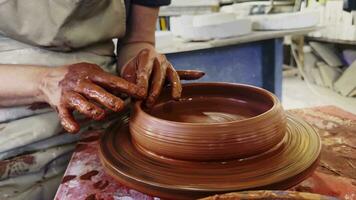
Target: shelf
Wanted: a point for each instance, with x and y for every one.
(329, 40)
(180, 45)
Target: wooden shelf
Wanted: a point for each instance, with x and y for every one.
(329, 40)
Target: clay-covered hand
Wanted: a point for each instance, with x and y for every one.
(150, 70)
(80, 87)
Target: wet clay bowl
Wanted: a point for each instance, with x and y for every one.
(212, 121)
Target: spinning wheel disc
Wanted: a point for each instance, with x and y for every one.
(281, 167)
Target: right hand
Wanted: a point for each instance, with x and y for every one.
(73, 87)
(150, 71)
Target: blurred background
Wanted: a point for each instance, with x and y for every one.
(304, 51)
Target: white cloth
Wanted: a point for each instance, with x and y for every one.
(32, 163)
(7, 114)
(63, 25)
(28, 130)
(50, 33)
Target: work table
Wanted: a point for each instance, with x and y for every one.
(85, 177)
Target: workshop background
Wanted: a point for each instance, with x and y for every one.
(311, 44)
(304, 51)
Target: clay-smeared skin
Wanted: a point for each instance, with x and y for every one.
(150, 73)
(81, 84)
(78, 86)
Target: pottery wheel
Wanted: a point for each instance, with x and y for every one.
(284, 166)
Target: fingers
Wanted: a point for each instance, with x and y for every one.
(190, 74)
(101, 96)
(67, 120)
(128, 72)
(176, 85)
(144, 70)
(79, 103)
(116, 83)
(157, 81)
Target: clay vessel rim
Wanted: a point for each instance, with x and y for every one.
(270, 95)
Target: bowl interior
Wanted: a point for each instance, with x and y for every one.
(212, 103)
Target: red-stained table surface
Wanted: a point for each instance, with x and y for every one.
(85, 178)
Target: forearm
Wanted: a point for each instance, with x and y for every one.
(141, 25)
(140, 33)
(20, 84)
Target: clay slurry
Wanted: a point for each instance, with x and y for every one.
(207, 110)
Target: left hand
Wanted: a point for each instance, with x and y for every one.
(141, 64)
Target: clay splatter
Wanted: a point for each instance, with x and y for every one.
(87, 176)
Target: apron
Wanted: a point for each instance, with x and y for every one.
(33, 150)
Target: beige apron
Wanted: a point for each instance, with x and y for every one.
(50, 33)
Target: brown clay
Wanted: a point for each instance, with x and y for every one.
(280, 167)
(88, 175)
(269, 194)
(211, 121)
(91, 197)
(101, 184)
(68, 178)
(150, 72)
(82, 87)
(190, 74)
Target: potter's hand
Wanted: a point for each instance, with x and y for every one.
(73, 87)
(141, 64)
